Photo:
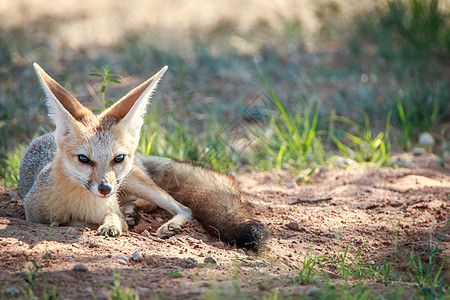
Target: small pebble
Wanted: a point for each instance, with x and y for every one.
(80, 267)
(293, 226)
(210, 260)
(123, 257)
(418, 151)
(313, 292)
(159, 219)
(87, 290)
(102, 296)
(341, 162)
(194, 292)
(291, 185)
(72, 231)
(141, 289)
(219, 244)
(47, 255)
(426, 139)
(240, 251)
(296, 292)
(136, 255)
(122, 260)
(364, 78)
(145, 233)
(371, 262)
(12, 291)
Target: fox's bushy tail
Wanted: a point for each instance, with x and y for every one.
(214, 199)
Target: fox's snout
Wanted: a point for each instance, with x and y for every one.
(104, 186)
(104, 189)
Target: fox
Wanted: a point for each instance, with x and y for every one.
(88, 173)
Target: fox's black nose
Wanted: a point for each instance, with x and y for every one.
(104, 189)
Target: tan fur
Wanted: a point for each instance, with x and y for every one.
(121, 107)
(74, 107)
(72, 176)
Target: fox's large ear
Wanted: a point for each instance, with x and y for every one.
(63, 108)
(132, 107)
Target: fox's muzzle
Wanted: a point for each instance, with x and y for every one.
(103, 189)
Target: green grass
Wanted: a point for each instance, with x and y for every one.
(421, 25)
(412, 38)
(363, 147)
(384, 272)
(294, 142)
(421, 109)
(32, 270)
(355, 279)
(309, 268)
(9, 169)
(170, 139)
(428, 275)
(351, 266)
(175, 274)
(30, 277)
(120, 293)
(412, 32)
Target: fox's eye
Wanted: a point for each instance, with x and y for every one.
(119, 158)
(84, 160)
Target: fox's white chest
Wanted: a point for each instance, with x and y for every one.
(82, 207)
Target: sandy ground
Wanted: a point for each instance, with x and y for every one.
(389, 210)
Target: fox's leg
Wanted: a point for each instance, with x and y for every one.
(140, 185)
(35, 209)
(130, 207)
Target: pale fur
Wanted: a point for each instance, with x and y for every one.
(59, 199)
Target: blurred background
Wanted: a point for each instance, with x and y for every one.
(251, 84)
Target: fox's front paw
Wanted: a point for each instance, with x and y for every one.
(173, 226)
(130, 216)
(112, 226)
(168, 229)
(109, 230)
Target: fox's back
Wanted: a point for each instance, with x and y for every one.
(40, 153)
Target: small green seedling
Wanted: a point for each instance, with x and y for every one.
(107, 77)
(175, 274)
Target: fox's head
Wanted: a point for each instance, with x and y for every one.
(97, 151)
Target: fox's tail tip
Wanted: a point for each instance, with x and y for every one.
(251, 235)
